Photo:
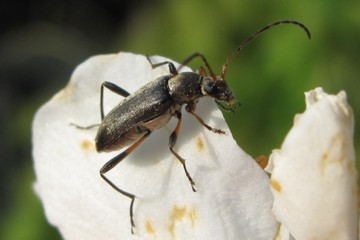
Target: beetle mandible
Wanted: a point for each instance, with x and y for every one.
(154, 104)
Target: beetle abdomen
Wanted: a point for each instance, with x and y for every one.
(108, 143)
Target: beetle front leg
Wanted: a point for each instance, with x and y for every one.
(191, 110)
(112, 163)
(172, 141)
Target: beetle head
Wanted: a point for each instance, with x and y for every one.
(218, 90)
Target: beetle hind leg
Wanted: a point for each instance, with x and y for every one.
(127, 194)
(111, 164)
(172, 141)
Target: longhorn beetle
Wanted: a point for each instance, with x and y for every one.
(154, 104)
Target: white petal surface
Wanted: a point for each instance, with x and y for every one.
(313, 175)
(233, 199)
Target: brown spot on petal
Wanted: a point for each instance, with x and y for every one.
(179, 214)
(87, 145)
(351, 166)
(192, 215)
(275, 185)
(262, 161)
(149, 228)
(324, 161)
(200, 145)
(335, 153)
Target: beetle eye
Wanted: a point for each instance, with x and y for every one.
(211, 88)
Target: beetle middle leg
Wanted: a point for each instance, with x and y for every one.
(172, 141)
(114, 88)
(172, 68)
(195, 55)
(112, 163)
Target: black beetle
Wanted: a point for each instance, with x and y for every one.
(154, 104)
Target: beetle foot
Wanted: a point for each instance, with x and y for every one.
(84, 127)
(219, 131)
(193, 186)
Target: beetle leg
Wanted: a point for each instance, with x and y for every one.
(114, 88)
(202, 71)
(112, 163)
(172, 68)
(172, 141)
(85, 128)
(191, 111)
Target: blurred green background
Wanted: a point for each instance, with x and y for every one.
(41, 42)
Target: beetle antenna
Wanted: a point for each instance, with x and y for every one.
(256, 34)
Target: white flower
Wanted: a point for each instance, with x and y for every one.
(313, 174)
(233, 199)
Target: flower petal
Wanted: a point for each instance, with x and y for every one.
(313, 175)
(233, 199)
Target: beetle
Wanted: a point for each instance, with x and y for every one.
(153, 105)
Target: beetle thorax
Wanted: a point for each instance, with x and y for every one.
(185, 87)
